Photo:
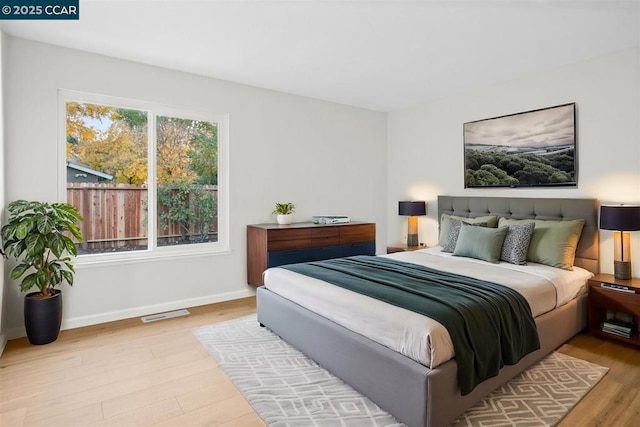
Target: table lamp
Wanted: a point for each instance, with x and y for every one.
(621, 219)
(412, 210)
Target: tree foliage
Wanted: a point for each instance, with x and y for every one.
(121, 152)
(203, 155)
(79, 130)
(514, 169)
(135, 119)
(187, 150)
(190, 205)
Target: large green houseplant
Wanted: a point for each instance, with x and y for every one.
(39, 236)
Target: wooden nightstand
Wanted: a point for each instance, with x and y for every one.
(603, 300)
(403, 248)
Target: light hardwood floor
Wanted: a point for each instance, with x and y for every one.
(128, 373)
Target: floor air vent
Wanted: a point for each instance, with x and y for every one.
(163, 316)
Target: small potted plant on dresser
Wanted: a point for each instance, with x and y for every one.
(284, 212)
(38, 235)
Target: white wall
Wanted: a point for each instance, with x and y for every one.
(425, 144)
(5, 284)
(324, 157)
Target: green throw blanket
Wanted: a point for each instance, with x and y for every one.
(490, 324)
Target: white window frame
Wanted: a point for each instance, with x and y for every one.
(153, 251)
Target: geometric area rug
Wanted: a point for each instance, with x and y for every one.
(286, 388)
(540, 396)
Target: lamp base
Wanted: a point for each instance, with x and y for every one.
(412, 240)
(622, 270)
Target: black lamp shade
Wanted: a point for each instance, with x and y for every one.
(620, 218)
(412, 208)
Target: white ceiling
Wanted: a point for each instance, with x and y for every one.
(381, 55)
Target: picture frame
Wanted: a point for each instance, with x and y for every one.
(534, 148)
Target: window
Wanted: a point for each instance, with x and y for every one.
(146, 178)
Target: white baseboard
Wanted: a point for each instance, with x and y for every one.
(111, 316)
(14, 333)
(3, 343)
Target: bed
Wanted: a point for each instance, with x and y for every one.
(422, 393)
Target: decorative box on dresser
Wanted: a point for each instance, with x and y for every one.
(271, 245)
(605, 300)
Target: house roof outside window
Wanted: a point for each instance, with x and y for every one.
(77, 173)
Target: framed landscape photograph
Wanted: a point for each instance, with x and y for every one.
(530, 149)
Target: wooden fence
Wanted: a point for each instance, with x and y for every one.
(115, 217)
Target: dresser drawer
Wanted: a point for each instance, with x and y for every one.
(277, 258)
(352, 249)
(288, 239)
(324, 232)
(287, 245)
(288, 234)
(326, 252)
(357, 233)
(325, 236)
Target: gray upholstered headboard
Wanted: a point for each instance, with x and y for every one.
(587, 253)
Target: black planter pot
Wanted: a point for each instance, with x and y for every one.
(43, 317)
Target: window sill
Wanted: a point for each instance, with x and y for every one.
(137, 257)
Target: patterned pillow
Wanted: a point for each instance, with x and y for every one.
(454, 231)
(516, 243)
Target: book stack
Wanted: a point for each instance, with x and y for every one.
(330, 219)
(617, 328)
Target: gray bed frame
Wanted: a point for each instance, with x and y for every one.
(410, 391)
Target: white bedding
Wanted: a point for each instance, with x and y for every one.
(412, 334)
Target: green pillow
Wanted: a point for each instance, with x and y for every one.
(454, 230)
(553, 243)
(480, 242)
(491, 220)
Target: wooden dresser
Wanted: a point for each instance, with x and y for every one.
(271, 245)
